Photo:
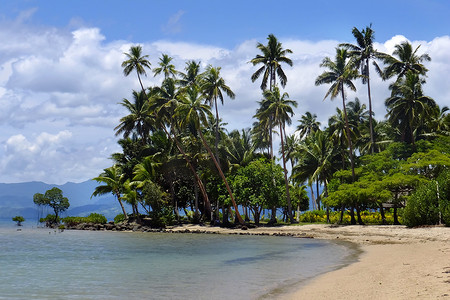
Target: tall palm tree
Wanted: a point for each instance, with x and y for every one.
(213, 86)
(408, 60)
(281, 109)
(193, 114)
(271, 58)
(163, 106)
(362, 53)
(113, 183)
(340, 74)
(308, 124)
(139, 120)
(192, 75)
(408, 106)
(165, 67)
(136, 62)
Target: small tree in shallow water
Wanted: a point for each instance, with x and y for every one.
(53, 198)
(19, 220)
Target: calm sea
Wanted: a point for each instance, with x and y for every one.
(38, 263)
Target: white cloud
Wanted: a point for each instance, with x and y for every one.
(59, 93)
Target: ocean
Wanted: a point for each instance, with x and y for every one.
(40, 263)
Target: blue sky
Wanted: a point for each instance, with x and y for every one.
(61, 80)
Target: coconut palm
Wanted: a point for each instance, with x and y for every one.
(271, 58)
(308, 124)
(163, 106)
(165, 67)
(407, 106)
(139, 120)
(280, 108)
(192, 75)
(136, 62)
(112, 178)
(340, 74)
(408, 60)
(192, 113)
(362, 53)
(213, 86)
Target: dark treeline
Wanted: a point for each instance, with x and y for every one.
(178, 157)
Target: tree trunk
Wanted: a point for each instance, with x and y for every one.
(238, 215)
(372, 140)
(216, 144)
(383, 217)
(347, 129)
(288, 196)
(121, 205)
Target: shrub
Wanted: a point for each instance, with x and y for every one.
(162, 218)
(422, 208)
(119, 218)
(96, 218)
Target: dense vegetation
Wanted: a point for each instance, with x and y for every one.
(178, 160)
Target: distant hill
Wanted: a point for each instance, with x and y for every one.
(17, 199)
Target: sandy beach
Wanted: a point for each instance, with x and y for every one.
(396, 262)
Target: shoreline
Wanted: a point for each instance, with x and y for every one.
(395, 263)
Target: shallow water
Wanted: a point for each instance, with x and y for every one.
(47, 264)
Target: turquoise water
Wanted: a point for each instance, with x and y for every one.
(37, 263)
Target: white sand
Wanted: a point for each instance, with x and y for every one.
(396, 263)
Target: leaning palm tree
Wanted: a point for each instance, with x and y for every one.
(193, 114)
(213, 86)
(271, 58)
(362, 53)
(112, 178)
(281, 110)
(308, 124)
(408, 60)
(340, 74)
(408, 106)
(136, 62)
(165, 67)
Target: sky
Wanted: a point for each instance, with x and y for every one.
(61, 78)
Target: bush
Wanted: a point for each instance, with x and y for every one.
(119, 218)
(50, 220)
(422, 208)
(162, 218)
(92, 218)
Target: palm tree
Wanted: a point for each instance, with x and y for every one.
(362, 53)
(163, 106)
(340, 74)
(308, 124)
(139, 120)
(213, 86)
(192, 75)
(408, 60)
(136, 62)
(316, 161)
(280, 108)
(165, 67)
(407, 106)
(271, 58)
(112, 178)
(193, 114)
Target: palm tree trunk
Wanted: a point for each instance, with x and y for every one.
(121, 205)
(217, 131)
(191, 167)
(313, 200)
(288, 196)
(372, 140)
(238, 215)
(347, 129)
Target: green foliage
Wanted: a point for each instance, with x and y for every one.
(368, 217)
(119, 218)
(92, 218)
(50, 219)
(19, 220)
(430, 203)
(163, 217)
